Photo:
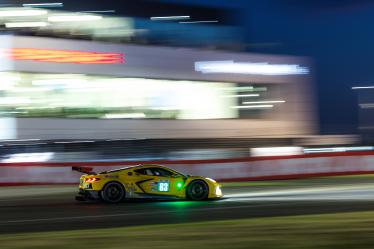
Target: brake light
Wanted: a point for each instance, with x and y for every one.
(93, 179)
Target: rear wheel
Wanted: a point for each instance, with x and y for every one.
(197, 190)
(113, 192)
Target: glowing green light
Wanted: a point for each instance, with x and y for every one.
(179, 185)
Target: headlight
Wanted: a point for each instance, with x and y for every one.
(218, 191)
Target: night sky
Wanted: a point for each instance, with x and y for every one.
(338, 36)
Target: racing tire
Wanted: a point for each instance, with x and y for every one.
(113, 192)
(197, 190)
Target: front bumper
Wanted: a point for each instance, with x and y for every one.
(84, 195)
(218, 191)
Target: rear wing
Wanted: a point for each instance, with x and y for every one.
(86, 170)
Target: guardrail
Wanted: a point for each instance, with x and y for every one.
(240, 169)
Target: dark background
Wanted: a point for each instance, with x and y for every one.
(337, 34)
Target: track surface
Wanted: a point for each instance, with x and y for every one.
(33, 213)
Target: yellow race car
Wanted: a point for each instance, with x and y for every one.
(144, 181)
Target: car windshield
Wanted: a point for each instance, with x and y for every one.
(177, 173)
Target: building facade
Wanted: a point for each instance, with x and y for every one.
(72, 89)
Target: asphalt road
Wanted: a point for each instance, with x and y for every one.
(21, 211)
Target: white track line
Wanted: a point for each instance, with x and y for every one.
(302, 191)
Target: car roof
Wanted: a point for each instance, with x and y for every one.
(149, 166)
(133, 167)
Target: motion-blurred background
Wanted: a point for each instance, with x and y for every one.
(166, 80)
(272, 98)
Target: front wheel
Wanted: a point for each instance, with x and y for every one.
(197, 190)
(113, 192)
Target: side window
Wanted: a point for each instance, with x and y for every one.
(140, 171)
(149, 172)
(162, 172)
(146, 171)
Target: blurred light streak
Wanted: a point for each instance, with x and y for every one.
(74, 142)
(263, 102)
(98, 11)
(240, 88)
(74, 18)
(28, 144)
(14, 100)
(25, 24)
(43, 5)
(277, 151)
(14, 112)
(66, 82)
(362, 87)
(169, 18)
(29, 157)
(218, 191)
(246, 89)
(121, 139)
(29, 89)
(253, 106)
(22, 12)
(125, 115)
(262, 68)
(307, 193)
(192, 22)
(165, 108)
(8, 81)
(21, 140)
(338, 149)
(63, 56)
(6, 85)
(34, 108)
(243, 95)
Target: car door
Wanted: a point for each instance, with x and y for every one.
(145, 180)
(159, 181)
(168, 182)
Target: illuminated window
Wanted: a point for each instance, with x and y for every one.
(63, 56)
(88, 96)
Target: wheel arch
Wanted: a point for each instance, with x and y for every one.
(101, 192)
(113, 181)
(198, 180)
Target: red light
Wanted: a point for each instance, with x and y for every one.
(64, 56)
(93, 179)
